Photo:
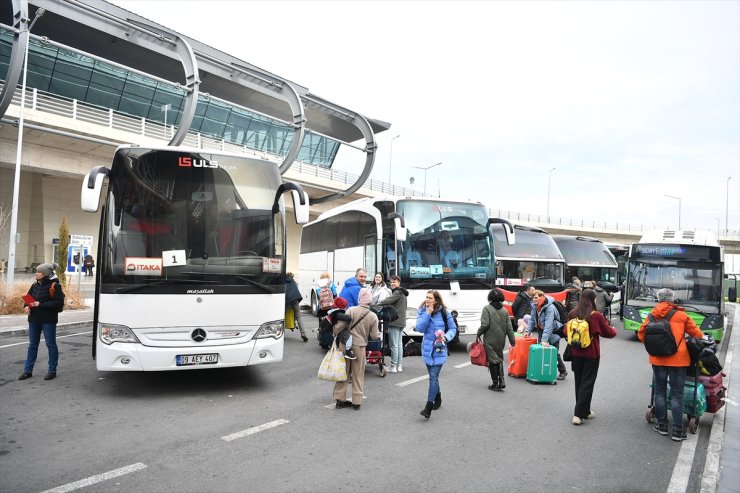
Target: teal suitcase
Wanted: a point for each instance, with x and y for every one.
(542, 366)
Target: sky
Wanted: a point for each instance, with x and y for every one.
(629, 101)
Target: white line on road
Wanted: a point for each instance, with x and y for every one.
(96, 479)
(58, 337)
(254, 429)
(682, 469)
(463, 365)
(413, 380)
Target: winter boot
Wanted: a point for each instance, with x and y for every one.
(427, 411)
(501, 381)
(437, 401)
(495, 377)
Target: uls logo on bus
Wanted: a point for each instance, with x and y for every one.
(188, 162)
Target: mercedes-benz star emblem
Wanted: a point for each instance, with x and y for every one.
(198, 335)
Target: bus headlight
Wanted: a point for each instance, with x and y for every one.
(632, 314)
(110, 333)
(270, 329)
(712, 322)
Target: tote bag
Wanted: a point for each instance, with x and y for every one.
(478, 354)
(333, 367)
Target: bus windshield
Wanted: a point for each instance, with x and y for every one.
(534, 259)
(185, 217)
(445, 240)
(693, 283)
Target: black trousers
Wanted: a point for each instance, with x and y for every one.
(584, 372)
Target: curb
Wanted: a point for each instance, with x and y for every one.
(60, 327)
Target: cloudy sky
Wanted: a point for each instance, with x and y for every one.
(628, 100)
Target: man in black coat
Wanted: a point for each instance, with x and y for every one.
(523, 303)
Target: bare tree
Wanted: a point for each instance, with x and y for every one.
(4, 226)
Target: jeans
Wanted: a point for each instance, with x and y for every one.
(395, 337)
(34, 337)
(433, 381)
(676, 375)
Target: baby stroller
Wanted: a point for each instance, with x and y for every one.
(376, 349)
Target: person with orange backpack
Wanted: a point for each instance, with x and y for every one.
(585, 350)
(42, 304)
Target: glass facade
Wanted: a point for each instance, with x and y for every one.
(91, 80)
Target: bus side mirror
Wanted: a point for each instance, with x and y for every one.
(508, 229)
(732, 295)
(399, 224)
(300, 206)
(92, 184)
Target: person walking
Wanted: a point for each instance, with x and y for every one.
(398, 300)
(378, 289)
(352, 287)
(363, 325)
(671, 368)
(89, 264)
(585, 361)
(293, 301)
(432, 317)
(603, 300)
(495, 327)
(544, 320)
(43, 315)
(327, 289)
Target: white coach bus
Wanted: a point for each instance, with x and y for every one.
(429, 243)
(191, 262)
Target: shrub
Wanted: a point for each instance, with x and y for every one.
(12, 304)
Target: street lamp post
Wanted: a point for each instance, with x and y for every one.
(549, 176)
(390, 160)
(425, 173)
(165, 108)
(18, 152)
(679, 208)
(727, 203)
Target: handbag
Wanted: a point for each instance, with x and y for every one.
(478, 353)
(333, 367)
(568, 354)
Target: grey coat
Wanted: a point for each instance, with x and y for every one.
(495, 327)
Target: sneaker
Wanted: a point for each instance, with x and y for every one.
(399, 368)
(590, 415)
(349, 354)
(678, 435)
(576, 420)
(562, 375)
(392, 369)
(24, 376)
(661, 429)
(50, 376)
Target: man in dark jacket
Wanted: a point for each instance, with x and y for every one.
(43, 307)
(293, 300)
(397, 300)
(352, 287)
(523, 303)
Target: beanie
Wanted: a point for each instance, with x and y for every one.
(364, 298)
(340, 303)
(47, 269)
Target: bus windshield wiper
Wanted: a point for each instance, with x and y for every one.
(137, 287)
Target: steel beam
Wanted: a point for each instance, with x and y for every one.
(18, 51)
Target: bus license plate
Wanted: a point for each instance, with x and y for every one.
(197, 359)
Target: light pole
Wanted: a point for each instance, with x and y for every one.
(17, 179)
(164, 108)
(718, 230)
(549, 176)
(425, 173)
(727, 202)
(679, 209)
(390, 160)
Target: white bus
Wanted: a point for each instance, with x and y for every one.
(191, 261)
(590, 260)
(429, 243)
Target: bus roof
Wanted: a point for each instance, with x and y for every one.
(683, 237)
(366, 203)
(581, 251)
(531, 244)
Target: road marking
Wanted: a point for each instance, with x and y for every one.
(413, 380)
(463, 365)
(255, 429)
(58, 337)
(96, 479)
(682, 469)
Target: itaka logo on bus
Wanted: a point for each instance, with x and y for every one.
(189, 162)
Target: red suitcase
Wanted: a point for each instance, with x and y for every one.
(715, 391)
(519, 357)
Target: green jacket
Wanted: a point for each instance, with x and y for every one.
(495, 327)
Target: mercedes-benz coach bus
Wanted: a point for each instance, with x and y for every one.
(191, 262)
(429, 243)
(590, 260)
(534, 259)
(688, 262)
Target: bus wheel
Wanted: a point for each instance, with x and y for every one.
(314, 304)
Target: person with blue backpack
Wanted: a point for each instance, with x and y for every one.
(433, 316)
(546, 321)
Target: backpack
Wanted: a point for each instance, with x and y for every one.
(53, 291)
(326, 298)
(562, 316)
(579, 335)
(659, 340)
(447, 328)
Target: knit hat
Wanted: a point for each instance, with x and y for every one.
(47, 269)
(340, 303)
(364, 298)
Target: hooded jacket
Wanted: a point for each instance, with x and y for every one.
(544, 318)
(397, 299)
(495, 327)
(603, 299)
(350, 291)
(680, 324)
(428, 324)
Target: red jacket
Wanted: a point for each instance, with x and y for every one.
(597, 326)
(680, 324)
